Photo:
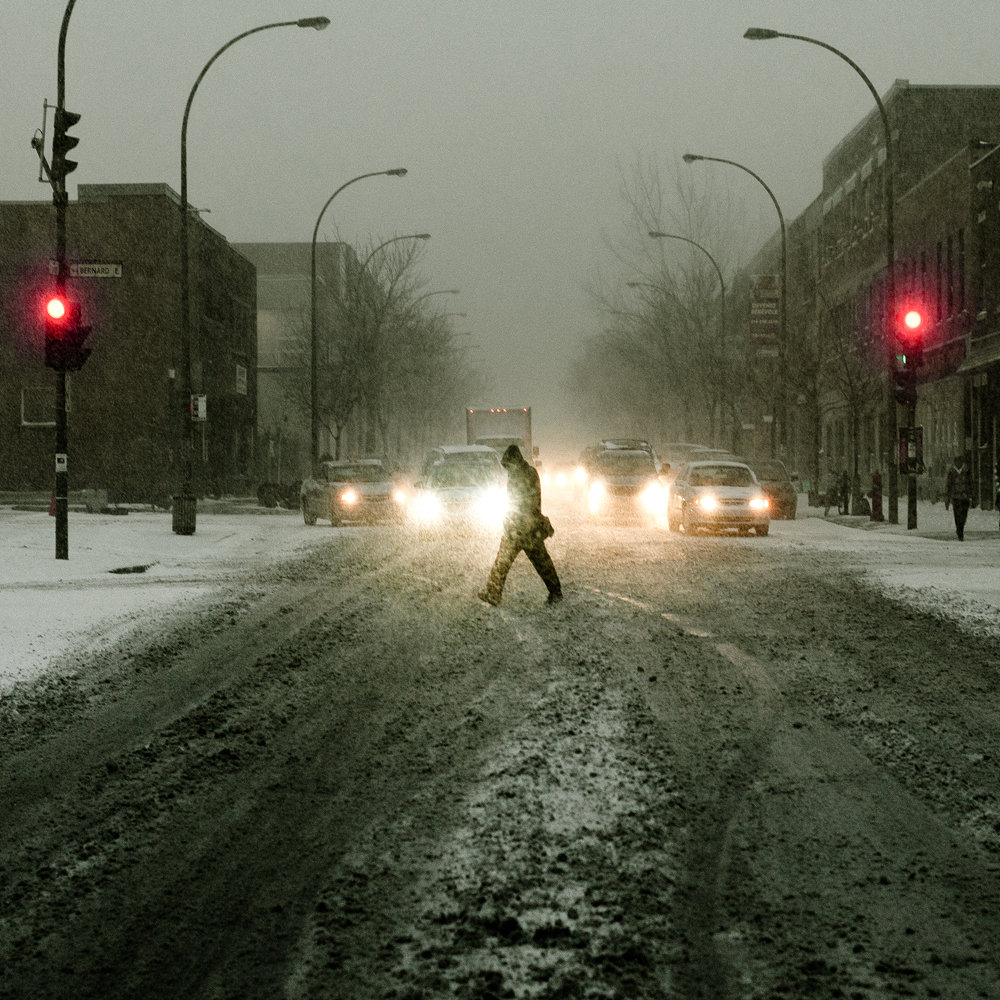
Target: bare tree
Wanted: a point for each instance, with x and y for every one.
(665, 338)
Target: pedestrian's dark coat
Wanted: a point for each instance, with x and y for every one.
(525, 529)
(959, 484)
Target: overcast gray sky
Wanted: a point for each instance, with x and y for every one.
(512, 119)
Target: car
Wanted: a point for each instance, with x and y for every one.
(624, 482)
(465, 454)
(463, 495)
(359, 490)
(559, 477)
(777, 484)
(718, 495)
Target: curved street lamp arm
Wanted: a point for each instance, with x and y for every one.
(313, 333)
(722, 282)
(194, 90)
(671, 236)
(761, 33)
(395, 239)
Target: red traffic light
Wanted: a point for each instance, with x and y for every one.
(913, 320)
(55, 307)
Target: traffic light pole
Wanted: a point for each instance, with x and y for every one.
(911, 485)
(61, 199)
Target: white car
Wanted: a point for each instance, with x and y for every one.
(468, 495)
(718, 495)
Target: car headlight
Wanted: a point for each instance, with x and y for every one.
(597, 494)
(349, 497)
(653, 497)
(493, 506)
(560, 479)
(581, 474)
(760, 503)
(399, 496)
(428, 507)
(707, 502)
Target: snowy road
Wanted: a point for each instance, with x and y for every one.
(723, 767)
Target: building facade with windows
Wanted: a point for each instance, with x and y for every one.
(838, 353)
(126, 423)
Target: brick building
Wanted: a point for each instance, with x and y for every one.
(123, 422)
(836, 283)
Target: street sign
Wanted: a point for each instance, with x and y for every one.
(90, 269)
(765, 310)
(199, 407)
(911, 451)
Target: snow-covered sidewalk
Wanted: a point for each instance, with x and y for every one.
(49, 607)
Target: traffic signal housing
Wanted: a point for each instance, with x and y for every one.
(910, 334)
(64, 335)
(62, 144)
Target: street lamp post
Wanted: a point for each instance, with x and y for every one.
(782, 320)
(722, 281)
(313, 331)
(764, 34)
(184, 509)
(656, 235)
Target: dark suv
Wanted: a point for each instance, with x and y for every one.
(777, 486)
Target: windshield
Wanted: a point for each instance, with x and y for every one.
(356, 474)
(721, 475)
(773, 470)
(612, 464)
(463, 474)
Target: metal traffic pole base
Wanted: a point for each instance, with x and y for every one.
(185, 512)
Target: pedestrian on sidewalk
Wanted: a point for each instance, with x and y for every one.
(525, 529)
(845, 493)
(958, 493)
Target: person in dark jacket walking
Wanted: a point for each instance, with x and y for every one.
(525, 529)
(958, 493)
(845, 493)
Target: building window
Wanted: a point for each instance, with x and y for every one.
(38, 405)
(961, 270)
(939, 296)
(950, 278)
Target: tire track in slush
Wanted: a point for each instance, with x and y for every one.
(552, 874)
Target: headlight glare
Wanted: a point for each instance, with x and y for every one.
(707, 502)
(349, 497)
(759, 503)
(399, 496)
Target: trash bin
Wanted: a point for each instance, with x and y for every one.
(185, 511)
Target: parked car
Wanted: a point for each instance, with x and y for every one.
(360, 490)
(465, 495)
(777, 485)
(624, 482)
(718, 495)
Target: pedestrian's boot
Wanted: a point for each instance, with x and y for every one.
(555, 596)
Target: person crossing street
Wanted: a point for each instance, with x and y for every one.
(958, 493)
(525, 529)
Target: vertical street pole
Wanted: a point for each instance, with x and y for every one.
(185, 505)
(764, 34)
(60, 199)
(778, 412)
(313, 314)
